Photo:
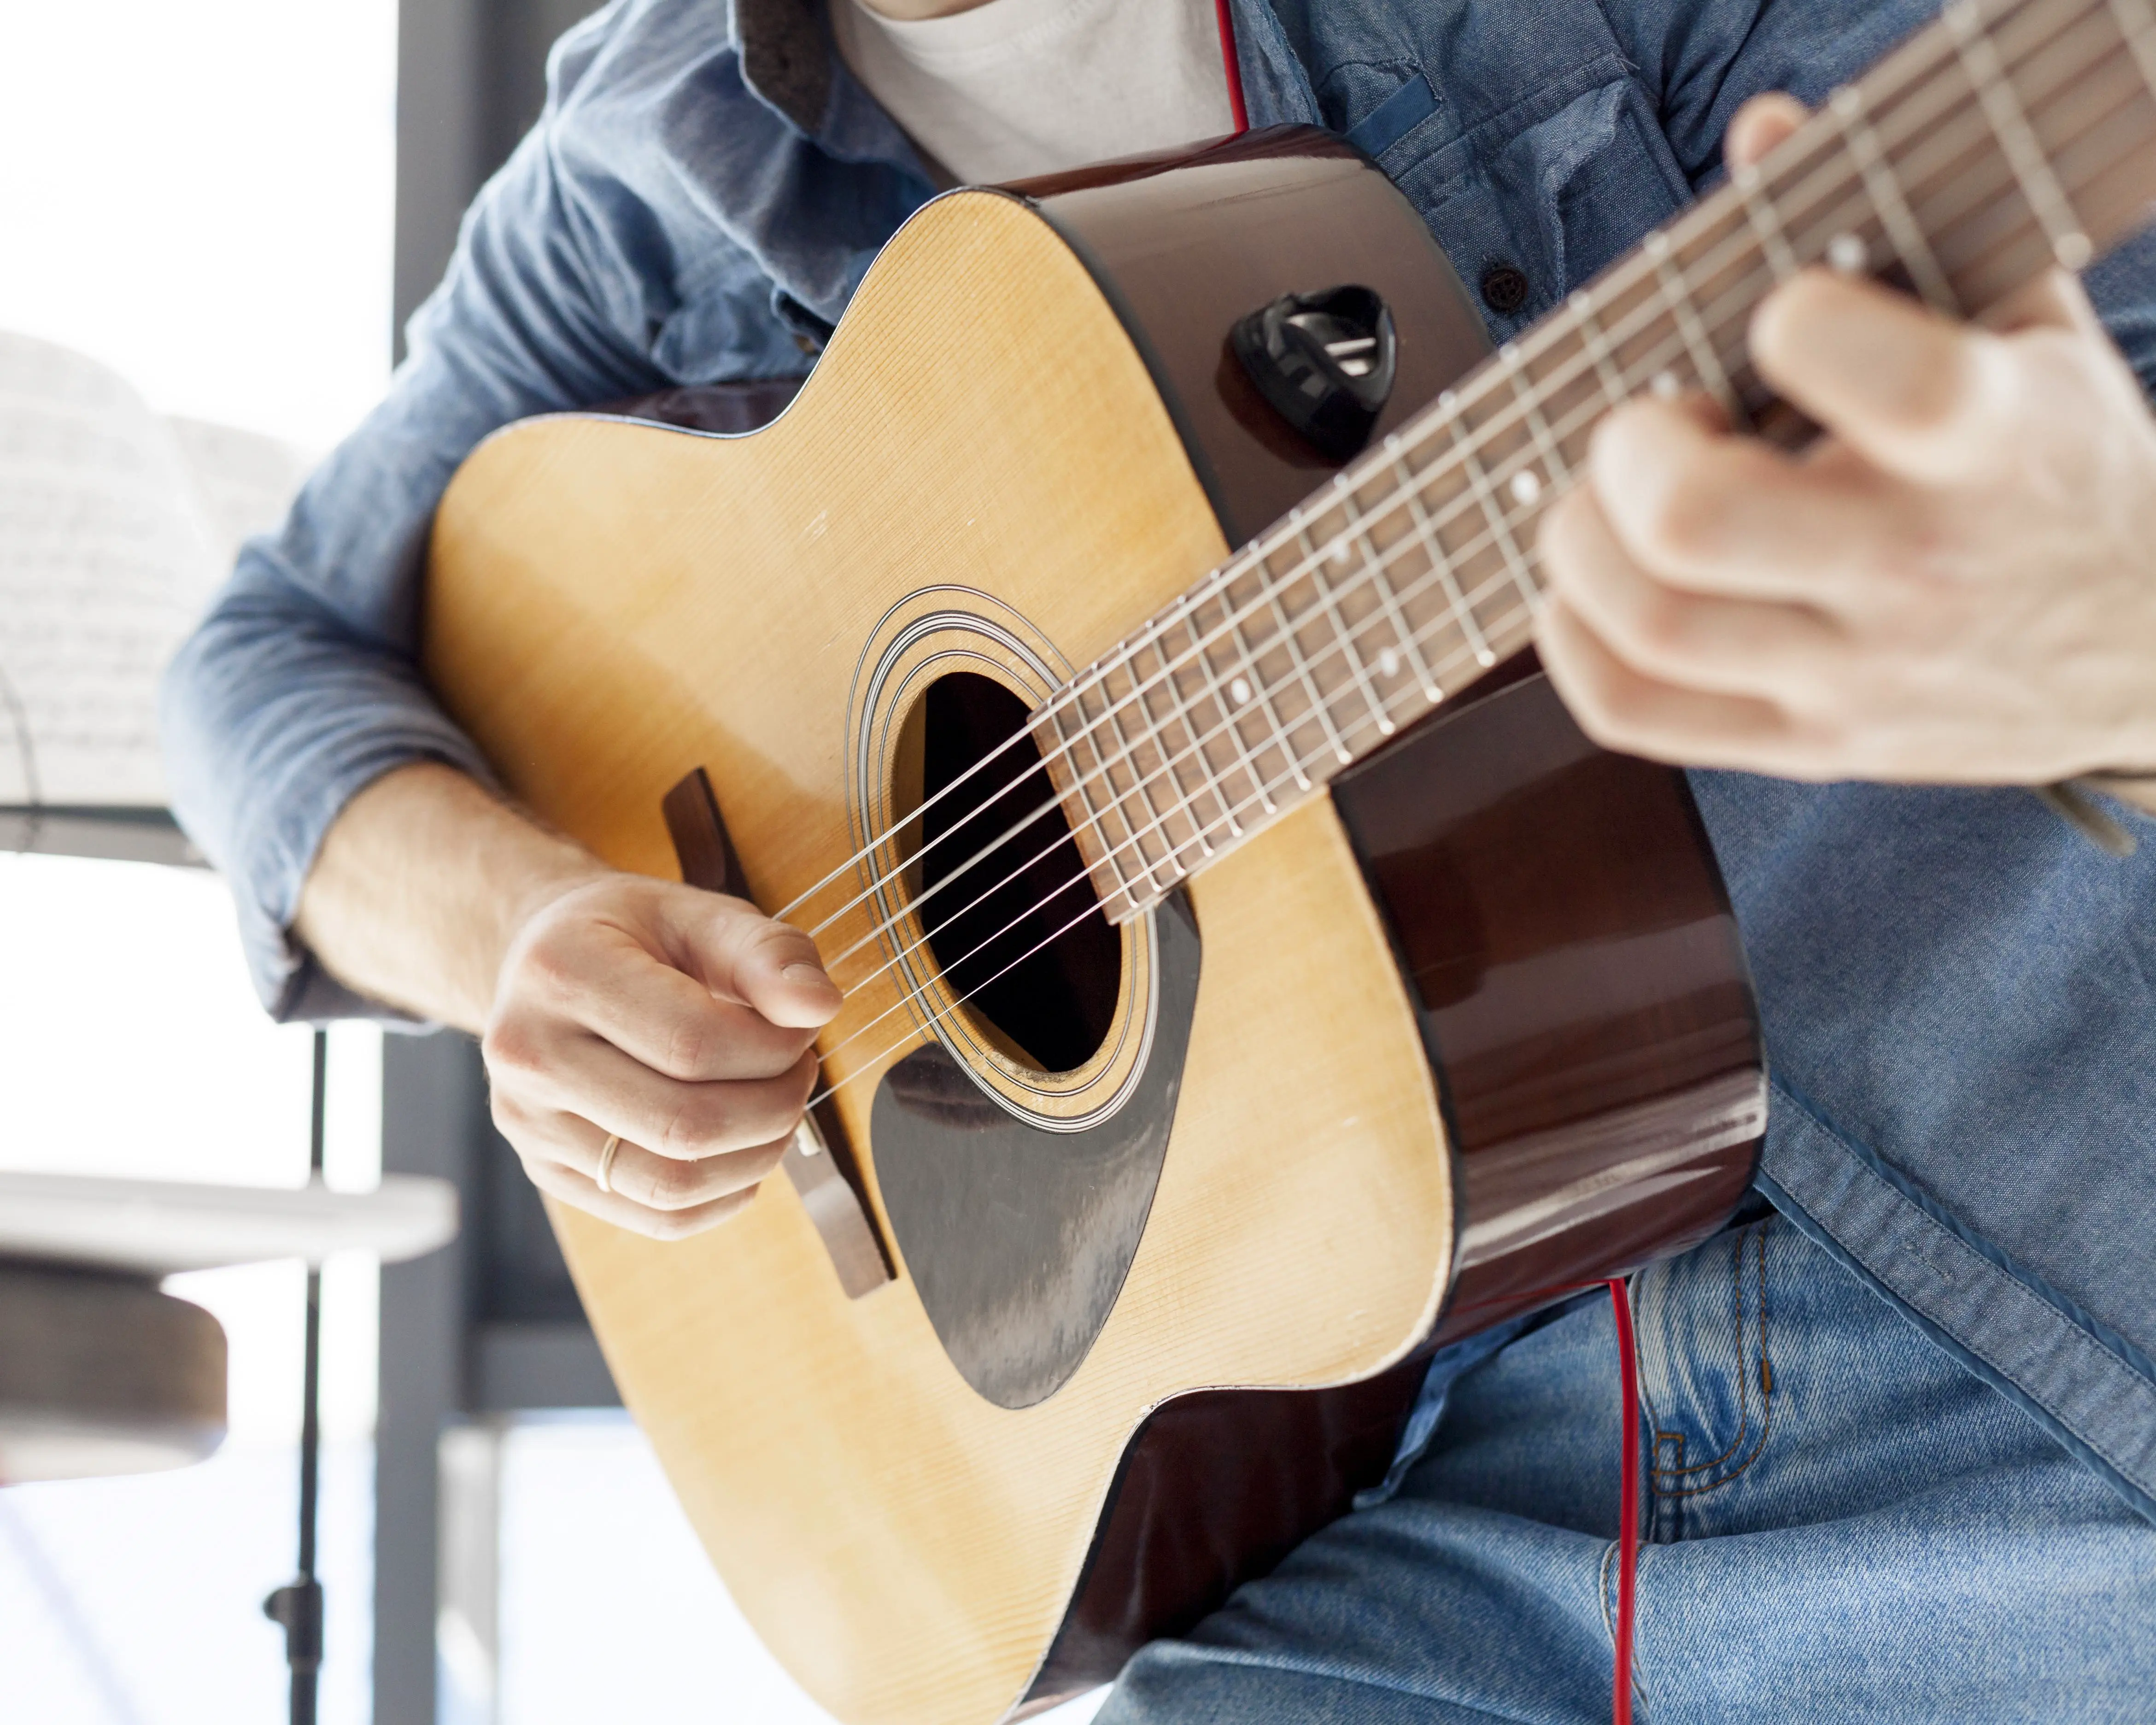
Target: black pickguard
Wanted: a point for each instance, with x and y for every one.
(1019, 1239)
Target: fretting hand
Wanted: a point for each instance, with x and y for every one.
(1956, 584)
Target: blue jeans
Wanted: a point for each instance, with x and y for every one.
(1841, 1524)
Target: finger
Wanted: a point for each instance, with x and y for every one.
(1702, 640)
(1625, 710)
(2054, 301)
(1714, 513)
(1759, 124)
(574, 1189)
(1913, 393)
(659, 1183)
(638, 987)
(742, 956)
(563, 1068)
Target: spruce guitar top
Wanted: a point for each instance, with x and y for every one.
(1114, 655)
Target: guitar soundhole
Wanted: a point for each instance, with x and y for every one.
(1017, 929)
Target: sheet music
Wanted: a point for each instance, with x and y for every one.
(243, 483)
(116, 524)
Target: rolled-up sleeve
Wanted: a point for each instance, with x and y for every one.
(300, 687)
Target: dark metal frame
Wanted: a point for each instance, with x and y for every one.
(489, 1327)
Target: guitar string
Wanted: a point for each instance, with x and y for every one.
(1802, 147)
(1171, 665)
(1741, 289)
(874, 1062)
(911, 996)
(1654, 309)
(1914, 75)
(1200, 827)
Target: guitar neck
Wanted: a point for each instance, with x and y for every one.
(2008, 135)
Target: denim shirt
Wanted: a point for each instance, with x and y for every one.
(1959, 994)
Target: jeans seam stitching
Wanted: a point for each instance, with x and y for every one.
(1766, 1397)
(1743, 1378)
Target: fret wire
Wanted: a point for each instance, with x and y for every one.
(2117, 85)
(1705, 361)
(1128, 755)
(1189, 613)
(1355, 666)
(1097, 816)
(1259, 691)
(1581, 304)
(1766, 222)
(1492, 509)
(1116, 804)
(1523, 392)
(1440, 561)
(1387, 599)
(1107, 775)
(1908, 238)
(1291, 641)
(2137, 24)
(1139, 778)
(1183, 718)
(2025, 155)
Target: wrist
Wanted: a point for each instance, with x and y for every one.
(422, 886)
(542, 875)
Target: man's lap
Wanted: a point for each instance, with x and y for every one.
(1843, 1524)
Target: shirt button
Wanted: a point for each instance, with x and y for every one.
(1504, 289)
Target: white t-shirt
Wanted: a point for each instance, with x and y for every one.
(1019, 87)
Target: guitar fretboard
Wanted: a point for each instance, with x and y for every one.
(2008, 135)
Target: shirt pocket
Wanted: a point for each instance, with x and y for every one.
(1554, 189)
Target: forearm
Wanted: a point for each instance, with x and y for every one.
(421, 883)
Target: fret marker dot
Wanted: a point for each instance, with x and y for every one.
(1845, 253)
(1665, 386)
(1240, 689)
(1389, 663)
(1340, 555)
(1526, 487)
(2072, 250)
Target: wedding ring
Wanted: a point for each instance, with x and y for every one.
(606, 1160)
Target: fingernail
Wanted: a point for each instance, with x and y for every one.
(807, 975)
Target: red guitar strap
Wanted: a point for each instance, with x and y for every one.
(1224, 10)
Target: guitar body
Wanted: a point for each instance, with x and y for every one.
(1471, 1030)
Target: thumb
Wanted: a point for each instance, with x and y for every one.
(740, 954)
(1913, 393)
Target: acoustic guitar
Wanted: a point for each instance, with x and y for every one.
(1115, 655)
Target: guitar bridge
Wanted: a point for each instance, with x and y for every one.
(819, 1161)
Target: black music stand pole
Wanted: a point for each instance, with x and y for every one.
(298, 1606)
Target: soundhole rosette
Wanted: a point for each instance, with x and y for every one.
(951, 637)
